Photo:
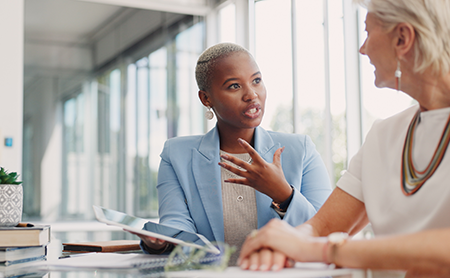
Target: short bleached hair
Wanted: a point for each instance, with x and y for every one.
(431, 22)
(207, 61)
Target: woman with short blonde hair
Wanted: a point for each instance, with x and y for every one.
(399, 180)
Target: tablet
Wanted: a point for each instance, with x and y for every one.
(170, 234)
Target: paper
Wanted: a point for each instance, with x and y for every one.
(99, 260)
(126, 261)
(300, 270)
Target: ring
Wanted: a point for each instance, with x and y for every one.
(253, 233)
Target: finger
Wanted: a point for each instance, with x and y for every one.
(233, 169)
(254, 261)
(160, 241)
(250, 150)
(289, 263)
(250, 245)
(238, 181)
(261, 239)
(278, 261)
(236, 161)
(265, 259)
(245, 263)
(277, 156)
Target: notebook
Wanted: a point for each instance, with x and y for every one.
(156, 230)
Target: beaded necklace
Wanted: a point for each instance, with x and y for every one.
(412, 179)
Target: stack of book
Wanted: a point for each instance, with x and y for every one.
(20, 247)
(117, 246)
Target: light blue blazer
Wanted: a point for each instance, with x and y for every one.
(189, 181)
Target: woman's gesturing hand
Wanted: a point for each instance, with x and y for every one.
(267, 178)
(272, 246)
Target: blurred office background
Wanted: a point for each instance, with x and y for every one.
(91, 89)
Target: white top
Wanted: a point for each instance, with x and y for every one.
(374, 175)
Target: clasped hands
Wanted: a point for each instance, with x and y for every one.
(267, 178)
(278, 245)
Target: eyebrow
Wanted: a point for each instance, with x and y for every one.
(232, 79)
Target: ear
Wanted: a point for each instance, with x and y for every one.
(405, 37)
(204, 98)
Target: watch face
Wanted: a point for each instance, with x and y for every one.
(337, 237)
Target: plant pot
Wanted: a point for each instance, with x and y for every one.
(11, 202)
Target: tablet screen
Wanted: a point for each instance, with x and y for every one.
(136, 224)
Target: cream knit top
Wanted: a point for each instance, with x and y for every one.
(239, 208)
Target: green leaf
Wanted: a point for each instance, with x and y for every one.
(8, 178)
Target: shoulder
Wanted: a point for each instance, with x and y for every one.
(183, 141)
(290, 138)
(396, 122)
(296, 145)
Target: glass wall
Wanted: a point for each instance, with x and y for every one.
(301, 58)
(116, 126)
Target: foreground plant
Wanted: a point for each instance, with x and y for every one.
(8, 178)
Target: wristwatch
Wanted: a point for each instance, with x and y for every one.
(334, 240)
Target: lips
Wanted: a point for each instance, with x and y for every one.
(253, 111)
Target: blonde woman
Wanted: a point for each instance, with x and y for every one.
(399, 180)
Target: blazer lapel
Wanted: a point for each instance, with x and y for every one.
(265, 146)
(207, 177)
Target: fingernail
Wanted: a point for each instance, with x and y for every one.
(224, 156)
(264, 267)
(240, 140)
(244, 264)
(276, 267)
(253, 267)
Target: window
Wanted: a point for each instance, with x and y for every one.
(301, 58)
(116, 126)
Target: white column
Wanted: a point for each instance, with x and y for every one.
(352, 82)
(243, 24)
(11, 82)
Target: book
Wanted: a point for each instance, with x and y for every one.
(19, 253)
(103, 246)
(14, 267)
(38, 235)
(6, 264)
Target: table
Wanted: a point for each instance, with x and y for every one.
(123, 265)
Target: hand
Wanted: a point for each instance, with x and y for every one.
(267, 178)
(267, 259)
(151, 242)
(284, 241)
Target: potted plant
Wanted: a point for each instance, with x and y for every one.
(11, 198)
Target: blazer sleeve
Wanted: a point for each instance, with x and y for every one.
(314, 189)
(173, 210)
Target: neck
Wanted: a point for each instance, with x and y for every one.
(229, 139)
(431, 91)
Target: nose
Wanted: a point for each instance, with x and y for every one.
(362, 49)
(250, 95)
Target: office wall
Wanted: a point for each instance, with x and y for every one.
(11, 82)
(53, 73)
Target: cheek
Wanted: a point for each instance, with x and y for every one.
(262, 96)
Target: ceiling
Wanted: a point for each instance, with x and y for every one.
(77, 20)
(59, 34)
(65, 20)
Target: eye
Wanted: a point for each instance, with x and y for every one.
(257, 80)
(234, 86)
